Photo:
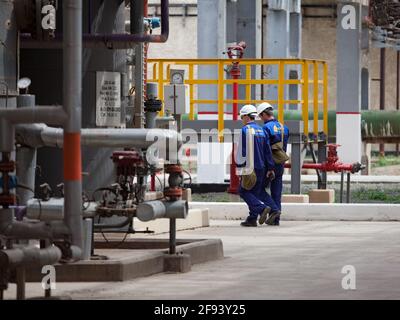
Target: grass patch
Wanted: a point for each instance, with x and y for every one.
(386, 161)
(379, 195)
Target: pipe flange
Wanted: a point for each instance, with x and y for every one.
(7, 166)
(173, 192)
(8, 200)
(152, 105)
(173, 168)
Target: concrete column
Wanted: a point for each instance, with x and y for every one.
(295, 37)
(249, 20)
(348, 117)
(277, 41)
(211, 39)
(231, 21)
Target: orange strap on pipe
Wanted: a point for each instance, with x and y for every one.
(72, 157)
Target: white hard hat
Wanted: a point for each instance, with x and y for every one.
(247, 110)
(263, 107)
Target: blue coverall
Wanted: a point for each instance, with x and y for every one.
(273, 129)
(257, 198)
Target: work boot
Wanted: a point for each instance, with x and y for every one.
(249, 223)
(273, 217)
(264, 215)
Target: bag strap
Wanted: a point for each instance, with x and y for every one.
(282, 133)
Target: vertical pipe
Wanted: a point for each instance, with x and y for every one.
(161, 85)
(382, 91)
(21, 280)
(72, 99)
(348, 188)
(172, 236)
(295, 181)
(137, 27)
(305, 97)
(316, 103)
(397, 92)
(234, 179)
(221, 111)
(325, 99)
(248, 86)
(341, 186)
(281, 92)
(321, 159)
(191, 76)
(26, 159)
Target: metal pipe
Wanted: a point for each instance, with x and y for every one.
(152, 210)
(341, 186)
(26, 160)
(172, 236)
(398, 93)
(109, 41)
(29, 256)
(35, 230)
(137, 27)
(72, 101)
(348, 188)
(382, 88)
(45, 114)
(41, 135)
(20, 280)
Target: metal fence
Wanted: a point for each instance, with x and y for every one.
(312, 81)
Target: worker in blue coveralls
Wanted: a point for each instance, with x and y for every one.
(254, 159)
(273, 129)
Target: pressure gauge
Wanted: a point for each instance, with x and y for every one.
(177, 76)
(24, 83)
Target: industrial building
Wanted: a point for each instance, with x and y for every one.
(119, 133)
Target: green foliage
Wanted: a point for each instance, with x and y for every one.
(386, 161)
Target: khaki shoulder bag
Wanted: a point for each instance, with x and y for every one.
(278, 154)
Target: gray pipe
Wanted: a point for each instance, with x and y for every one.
(109, 41)
(41, 135)
(152, 210)
(45, 114)
(25, 159)
(34, 230)
(29, 256)
(46, 210)
(72, 102)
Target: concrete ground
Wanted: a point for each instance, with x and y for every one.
(299, 260)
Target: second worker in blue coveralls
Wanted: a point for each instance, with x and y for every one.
(254, 164)
(277, 134)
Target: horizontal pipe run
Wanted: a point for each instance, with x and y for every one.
(39, 114)
(152, 210)
(322, 167)
(46, 210)
(12, 229)
(41, 135)
(29, 256)
(110, 41)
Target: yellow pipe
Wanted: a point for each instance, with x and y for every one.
(161, 85)
(220, 102)
(248, 85)
(325, 103)
(281, 92)
(305, 97)
(316, 104)
(168, 72)
(191, 75)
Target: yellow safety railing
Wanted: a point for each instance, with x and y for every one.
(310, 81)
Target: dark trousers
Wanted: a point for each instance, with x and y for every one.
(257, 198)
(277, 185)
